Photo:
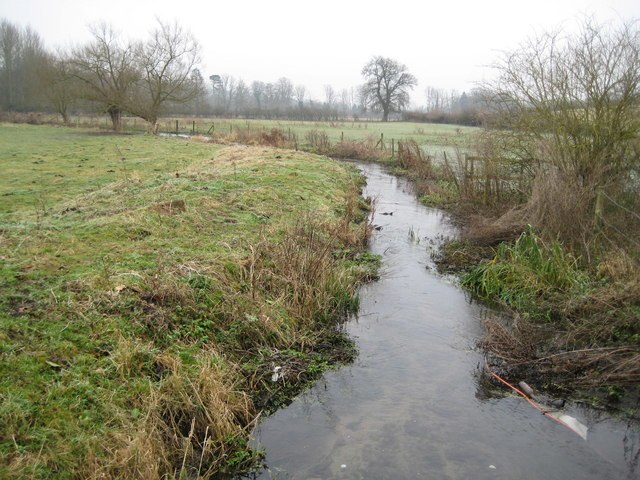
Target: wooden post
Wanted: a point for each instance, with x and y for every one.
(465, 175)
(382, 141)
(289, 137)
(193, 127)
(473, 178)
(521, 182)
(176, 126)
(393, 147)
(599, 209)
(342, 137)
(230, 128)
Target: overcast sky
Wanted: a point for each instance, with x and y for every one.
(444, 43)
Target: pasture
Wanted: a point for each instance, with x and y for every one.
(145, 280)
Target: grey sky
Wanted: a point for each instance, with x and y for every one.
(445, 44)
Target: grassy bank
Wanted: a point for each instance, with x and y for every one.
(574, 314)
(158, 294)
(575, 329)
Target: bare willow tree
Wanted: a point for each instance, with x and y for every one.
(387, 85)
(58, 83)
(569, 105)
(106, 68)
(166, 62)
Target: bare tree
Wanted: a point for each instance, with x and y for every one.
(581, 93)
(284, 89)
(21, 57)
(257, 90)
(106, 68)
(345, 103)
(59, 86)
(228, 90)
(241, 97)
(387, 85)
(436, 99)
(329, 95)
(166, 61)
(198, 103)
(568, 107)
(270, 97)
(299, 93)
(10, 50)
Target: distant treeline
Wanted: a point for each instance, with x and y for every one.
(116, 76)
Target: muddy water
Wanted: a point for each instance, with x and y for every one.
(411, 406)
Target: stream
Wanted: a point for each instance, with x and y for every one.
(412, 404)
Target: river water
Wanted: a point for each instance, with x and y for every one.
(411, 405)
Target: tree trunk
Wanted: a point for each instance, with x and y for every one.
(116, 118)
(154, 126)
(385, 114)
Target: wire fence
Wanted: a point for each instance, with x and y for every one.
(619, 221)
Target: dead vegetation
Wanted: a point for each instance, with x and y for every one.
(189, 424)
(555, 188)
(278, 308)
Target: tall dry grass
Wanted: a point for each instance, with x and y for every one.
(287, 294)
(187, 425)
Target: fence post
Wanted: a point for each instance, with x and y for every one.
(193, 127)
(176, 126)
(393, 147)
(342, 137)
(599, 209)
(382, 141)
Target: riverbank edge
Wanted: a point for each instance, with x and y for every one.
(475, 248)
(275, 349)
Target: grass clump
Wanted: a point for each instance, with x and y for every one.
(528, 275)
(143, 312)
(571, 329)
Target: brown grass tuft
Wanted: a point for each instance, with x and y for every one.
(411, 157)
(485, 231)
(186, 426)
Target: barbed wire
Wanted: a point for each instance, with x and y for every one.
(620, 206)
(626, 236)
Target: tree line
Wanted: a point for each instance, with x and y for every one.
(107, 74)
(161, 75)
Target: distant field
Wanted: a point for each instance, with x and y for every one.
(424, 134)
(434, 138)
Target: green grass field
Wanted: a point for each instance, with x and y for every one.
(425, 134)
(434, 138)
(146, 285)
